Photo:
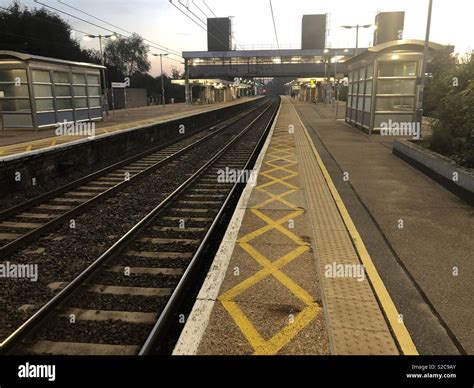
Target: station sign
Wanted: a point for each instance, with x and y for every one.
(119, 85)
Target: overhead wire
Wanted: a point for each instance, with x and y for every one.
(101, 27)
(197, 23)
(204, 2)
(118, 27)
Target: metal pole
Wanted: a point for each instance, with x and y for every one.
(1, 115)
(113, 102)
(357, 40)
(125, 98)
(102, 61)
(162, 82)
(419, 110)
(186, 82)
(336, 86)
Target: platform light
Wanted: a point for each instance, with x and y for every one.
(357, 27)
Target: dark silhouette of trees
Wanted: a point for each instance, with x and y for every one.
(128, 55)
(40, 32)
(44, 33)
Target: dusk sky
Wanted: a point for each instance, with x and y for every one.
(159, 21)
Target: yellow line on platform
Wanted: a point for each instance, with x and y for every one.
(399, 329)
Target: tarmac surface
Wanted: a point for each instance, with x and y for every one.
(419, 234)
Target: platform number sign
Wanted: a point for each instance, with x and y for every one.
(127, 82)
(236, 81)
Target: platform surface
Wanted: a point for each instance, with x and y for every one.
(292, 276)
(436, 236)
(13, 142)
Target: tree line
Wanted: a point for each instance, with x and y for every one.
(38, 31)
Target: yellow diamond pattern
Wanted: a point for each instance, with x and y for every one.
(280, 161)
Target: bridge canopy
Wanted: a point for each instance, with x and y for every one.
(267, 63)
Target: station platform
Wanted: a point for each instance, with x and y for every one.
(14, 142)
(292, 274)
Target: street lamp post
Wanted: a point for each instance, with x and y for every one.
(357, 26)
(102, 61)
(163, 102)
(419, 108)
(327, 75)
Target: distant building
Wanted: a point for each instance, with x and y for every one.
(313, 32)
(219, 34)
(389, 27)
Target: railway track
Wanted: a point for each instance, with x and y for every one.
(125, 301)
(29, 220)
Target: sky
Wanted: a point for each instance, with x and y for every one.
(160, 22)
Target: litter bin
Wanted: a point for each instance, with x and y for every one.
(172, 100)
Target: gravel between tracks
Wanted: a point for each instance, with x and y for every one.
(68, 251)
(117, 332)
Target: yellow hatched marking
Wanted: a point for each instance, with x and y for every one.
(271, 225)
(277, 225)
(278, 151)
(279, 198)
(285, 335)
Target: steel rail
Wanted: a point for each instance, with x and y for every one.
(33, 323)
(158, 334)
(21, 241)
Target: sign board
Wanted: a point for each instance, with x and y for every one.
(2, 94)
(119, 85)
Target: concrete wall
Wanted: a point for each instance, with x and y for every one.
(135, 98)
(443, 170)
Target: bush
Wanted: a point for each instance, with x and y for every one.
(453, 133)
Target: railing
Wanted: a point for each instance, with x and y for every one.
(266, 46)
